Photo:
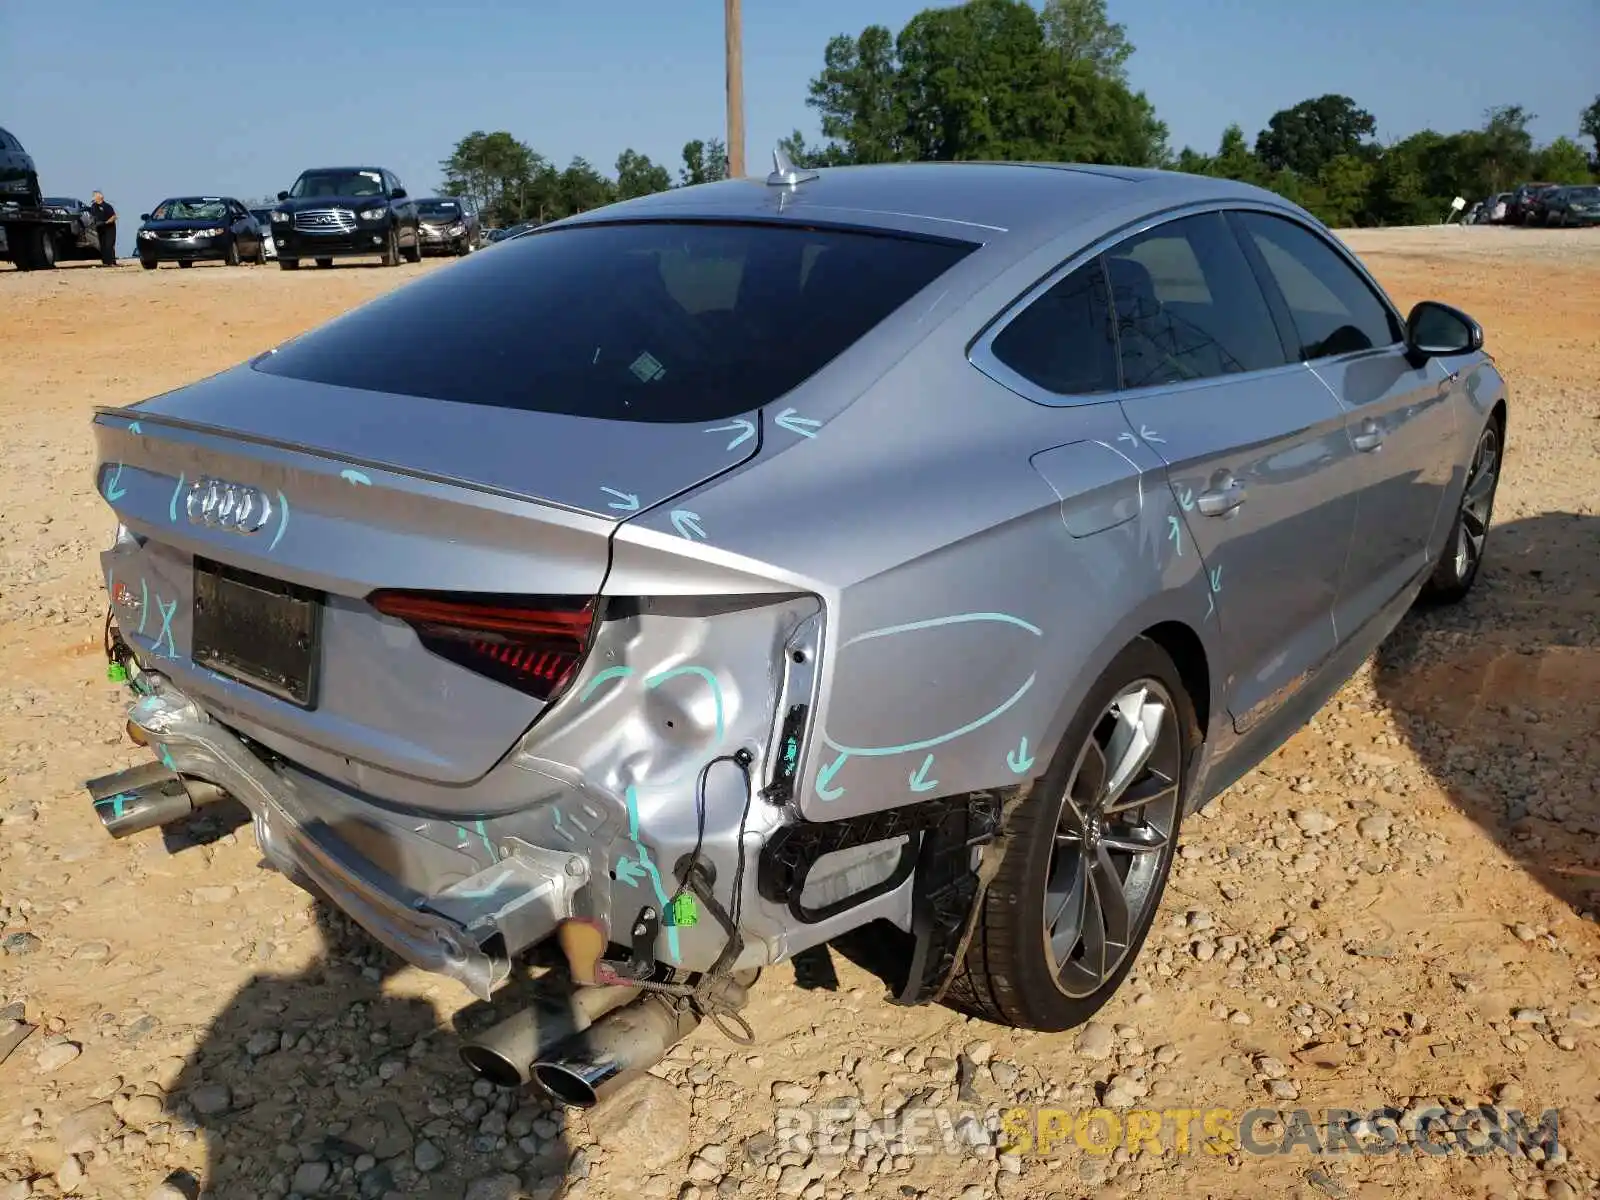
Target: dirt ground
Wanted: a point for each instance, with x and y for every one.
(1398, 909)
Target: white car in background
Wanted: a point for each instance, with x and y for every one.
(263, 216)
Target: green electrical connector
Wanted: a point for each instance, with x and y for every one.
(116, 672)
(683, 911)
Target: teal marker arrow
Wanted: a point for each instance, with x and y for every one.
(630, 502)
(630, 872)
(349, 475)
(114, 488)
(1175, 534)
(1216, 579)
(825, 774)
(743, 428)
(1019, 760)
(795, 423)
(919, 780)
(1186, 499)
(687, 524)
(172, 505)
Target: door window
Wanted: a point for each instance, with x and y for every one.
(1333, 308)
(1064, 341)
(1188, 306)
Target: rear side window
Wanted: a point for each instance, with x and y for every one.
(649, 321)
(1334, 310)
(1064, 340)
(1188, 306)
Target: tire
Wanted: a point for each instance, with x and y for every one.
(391, 250)
(413, 253)
(185, 264)
(149, 264)
(1462, 556)
(1010, 974)
(288, 264)
(324, 264)
(232, 257)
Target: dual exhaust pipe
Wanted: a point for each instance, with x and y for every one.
(147, 796)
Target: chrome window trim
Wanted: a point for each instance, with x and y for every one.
(980, 352)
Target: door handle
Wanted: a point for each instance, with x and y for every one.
(1219, 502)
(1370, 438)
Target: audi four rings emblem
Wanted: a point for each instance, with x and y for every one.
(231, 506)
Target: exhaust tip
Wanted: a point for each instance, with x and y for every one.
(489, 1064)
(566, 1085)
(137, 735)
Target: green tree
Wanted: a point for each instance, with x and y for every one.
(583, 188)
(1303, 139)
(858, 97)
(492, 168)
(703, 162)
(1080, 31)
(638, 176)
(1562, 161)
(1343, 186)
(1589, 127)
(1506, 149)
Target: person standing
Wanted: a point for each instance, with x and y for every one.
(105, 222)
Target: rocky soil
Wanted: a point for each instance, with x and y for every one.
(1397, 910)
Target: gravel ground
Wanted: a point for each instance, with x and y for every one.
(1397, 909)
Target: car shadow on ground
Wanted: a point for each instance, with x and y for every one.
(322, 1084)
(1499, 696)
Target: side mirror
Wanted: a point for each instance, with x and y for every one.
(1435, 330)
(283, 195)
(144, 216)
(398, 194)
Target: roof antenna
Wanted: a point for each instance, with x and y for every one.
(784, 172)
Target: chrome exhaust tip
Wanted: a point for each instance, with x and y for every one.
(145, 797)
(587, 1067)
(505, 1053)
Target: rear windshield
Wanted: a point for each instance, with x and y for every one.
(651, 321)
(439, 208)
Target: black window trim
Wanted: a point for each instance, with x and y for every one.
(1276, 300)
(980, 350)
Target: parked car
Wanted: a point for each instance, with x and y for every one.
(1573, 206)
(263, 216)
(19, 179)
(449, 226)
(191, 229)
(346, 212)
(647, 627)
(1498, 207)
(30, 232)
(1520, 208)
(511, 231)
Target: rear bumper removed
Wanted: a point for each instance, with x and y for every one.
(467, 931)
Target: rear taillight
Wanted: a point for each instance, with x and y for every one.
(534, 644)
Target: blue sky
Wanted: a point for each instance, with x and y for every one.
(152, 98)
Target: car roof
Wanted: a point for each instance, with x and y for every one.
(986, 202)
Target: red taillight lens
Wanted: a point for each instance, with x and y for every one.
(533, 644)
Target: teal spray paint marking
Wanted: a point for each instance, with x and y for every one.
(1211, 605)
(825, 774)
(1150, 435)
(135, 427)
(629, 872)
(144, 604)
(1175, 535)
(283, 523)
(118, 802)
(355, 477)
(940, 622)
(792, 421)
(687, 524)
(166, 756)
(172, 505)
(114, 489)
(744, 430)
(167, 612)
(1019, 760)
(603, 677)
(919, 780)
(1186, 499)
(1216, 579)
(632, 797)
(483, 834)
(930, 743)
(630, 502)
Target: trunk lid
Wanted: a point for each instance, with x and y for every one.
(362, 492)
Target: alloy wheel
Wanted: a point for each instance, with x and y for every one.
(1477, 504)
(1113, 838)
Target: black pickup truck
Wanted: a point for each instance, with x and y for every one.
(346, 212)
(35, 228)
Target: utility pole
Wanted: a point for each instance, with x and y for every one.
(733, 28)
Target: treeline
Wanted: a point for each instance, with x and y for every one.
(512, 182)
(1003, 80)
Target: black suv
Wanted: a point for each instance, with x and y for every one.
(346, 212)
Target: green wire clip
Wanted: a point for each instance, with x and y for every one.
(683, 911)
(116, 672)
